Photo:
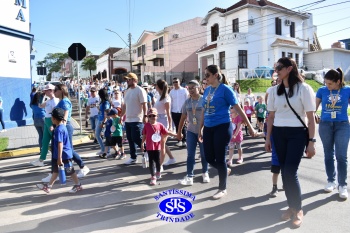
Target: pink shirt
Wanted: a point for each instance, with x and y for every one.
(149, 130)
(235, 122)
(248, 110)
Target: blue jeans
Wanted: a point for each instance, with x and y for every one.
(215, 142)
(335, 139)
(2, 118)
(133, 134)
(76, 156)
(39, 124)
(93, 122)
(192, 140)
(290, 146)
(98, 131)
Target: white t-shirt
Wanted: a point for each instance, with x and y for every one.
(178, 98)
(160, 104)
(302, 101)
(251, 99)
(93, 104)
(50, 105)
(134, 97)
(117, 103)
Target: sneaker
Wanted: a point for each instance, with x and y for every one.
(229, 164)
(112, 156)
(37, 163)
(206, 178)
(184, 144)
(169, 162)
(44, 187)
(330, 186)
(239, 161)
(48, 178)
(95, 141)
(274, 191)
(228, 171)
(76, 188)
(83, 172)
(131, 161)
(103, 156)
(122, 156)
(100, 153)
(161, 168)
(158, 175)
(179, 143)
(343, 192)
(153, 180)
(219, 194)
(186, 181)
(3, 131)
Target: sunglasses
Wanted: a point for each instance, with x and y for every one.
(152, 115)
(207, 75)
(279, 67)
(175, 82)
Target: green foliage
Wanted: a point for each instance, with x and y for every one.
(3, 143)
(53, 62)
(89, 63)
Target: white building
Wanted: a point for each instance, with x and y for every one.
(252, 34)
(121, 64)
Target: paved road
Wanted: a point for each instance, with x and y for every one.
(117, 198)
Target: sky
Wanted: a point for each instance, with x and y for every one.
(57, 24)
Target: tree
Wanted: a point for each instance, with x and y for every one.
(53, 62)
(89, 63)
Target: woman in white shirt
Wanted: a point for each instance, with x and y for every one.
(288, 131)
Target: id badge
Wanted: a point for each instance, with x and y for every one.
(194, 120)
(333, 115)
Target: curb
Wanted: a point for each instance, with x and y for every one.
(31, 150)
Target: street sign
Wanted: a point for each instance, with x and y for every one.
(41, 70)
(77, 51)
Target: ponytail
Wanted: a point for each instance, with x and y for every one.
(224, 79)
(335, 76)
(163, 86)
(341, 75)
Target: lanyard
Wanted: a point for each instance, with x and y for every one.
(210, 96)
(334, 100)
(195, 107)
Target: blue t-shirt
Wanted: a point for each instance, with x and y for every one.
(149, 99)
(61, 135)
(340, 107)
(38, 112)
(66, 105)
(103, 107)
(108, 132)
(219, 105)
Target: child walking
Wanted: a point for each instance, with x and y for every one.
(237, 138)
(61, 153)
(249, 111)
(155, 135)
(260, 109)
(108, 134)
(117, 134)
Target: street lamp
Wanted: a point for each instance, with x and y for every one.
(129, 45)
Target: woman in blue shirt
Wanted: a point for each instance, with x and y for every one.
(217, 131)
(334, 128)
(1, 117)
(101, 118)
(38, 116)
(61, 92)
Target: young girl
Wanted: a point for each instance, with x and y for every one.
(155, 135)
(260, 109)
(249, 111)
(237, 138)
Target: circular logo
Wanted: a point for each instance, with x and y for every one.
(248, 111)
(175, 206)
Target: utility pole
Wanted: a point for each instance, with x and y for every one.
(130, 52)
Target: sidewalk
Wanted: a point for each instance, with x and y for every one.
(24, 140)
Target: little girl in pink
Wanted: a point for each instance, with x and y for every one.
(249, 111)
(237, 138)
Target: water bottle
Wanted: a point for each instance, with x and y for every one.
(62, 175)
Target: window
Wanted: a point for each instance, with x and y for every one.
(222, 60)
(144, 49)
(139, 54)
(290, 55)
(161, 45)
(292, 29)
(278, 26)
(155, 45)
(235, 25)
(283, 54)
(214, 32)
(161, 62)
(155, 62)
(297, 59)
(242, 58)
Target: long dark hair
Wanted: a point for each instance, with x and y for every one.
(36, 98)
(163, 86)
(103, 94)
(64, 90)
(335, 76)
(214, 69)
(294, 76)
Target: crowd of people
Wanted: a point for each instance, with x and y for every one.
(211, 115)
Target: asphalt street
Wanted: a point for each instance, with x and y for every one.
(118, 198)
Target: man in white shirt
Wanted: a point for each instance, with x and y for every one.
(135, 109)
(178, 97)
(92, 105)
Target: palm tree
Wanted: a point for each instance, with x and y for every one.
(89, 63)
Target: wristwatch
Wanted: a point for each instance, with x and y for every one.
(312, 139)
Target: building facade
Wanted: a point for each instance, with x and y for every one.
(170, 52)
(15, 62)
(104, 64)
(252, 34)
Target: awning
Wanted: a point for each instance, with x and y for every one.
(284, 43)
(137, 63)
(155, 56)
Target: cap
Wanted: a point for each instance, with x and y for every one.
(49, 87)
(145, 85)
(93, 89)
(58, 113)
(152, 111)
(195, 82)
(131, 76)
(112, 112)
